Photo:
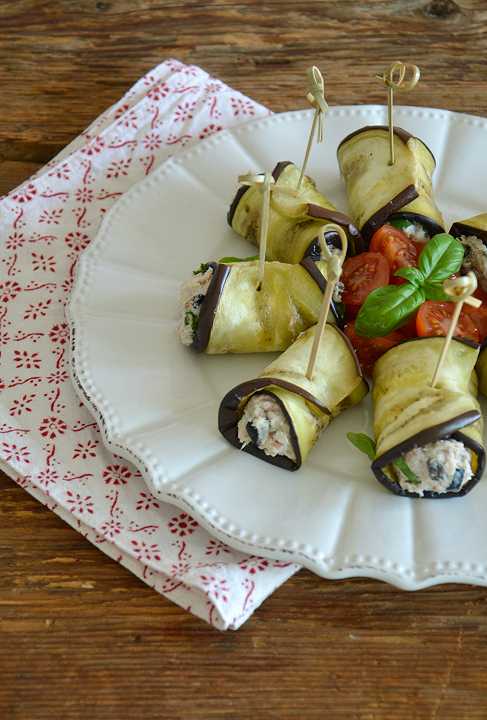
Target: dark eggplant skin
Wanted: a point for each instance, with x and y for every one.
(451, 429)
(460, 228)
(443, 431)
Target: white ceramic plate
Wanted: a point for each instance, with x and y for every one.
(157, 401)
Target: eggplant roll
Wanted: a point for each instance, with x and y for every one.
(429, 440)
(294, 222)
(472, 233)
(279, 416)
(378, 192)
(223, 312)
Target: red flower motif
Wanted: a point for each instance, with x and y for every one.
(79, 504)
(121, 110)
(9, 289)
(215, 547)
(152, 141)
(43, 263)
(24, 359)
(216, 589)
(94, 147)
(59, 333)
(213, 87)
(146, 552)
(15, 453)
(51, 217)
(209, 130)
(182, 525)
(184, 111)
(242, 107)
(25, 194)
(129, 120)
(22, 405)
(51, 427)
(180, 569)
(84, 195)
(47, 477)
(254, 564)
(111, 528)
(159, 91)
(146, 501)
(118, 168)
(15, 241)
(37, 310)
(116, 475)
(77, 241)
(85, 450)
(57, 377)
(61, 172)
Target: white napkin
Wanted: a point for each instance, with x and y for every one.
(49, 444)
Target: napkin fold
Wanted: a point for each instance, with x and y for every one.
(49, 443)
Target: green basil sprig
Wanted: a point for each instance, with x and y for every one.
(366, 444)
(387, 308)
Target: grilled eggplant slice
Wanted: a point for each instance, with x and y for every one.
(223, 312)
(378, 192)
(438, 429)
(294, 222)
(279, 416)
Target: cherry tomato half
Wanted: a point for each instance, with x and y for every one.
(362, 274)
(396, 247)
(369, 350)
(434, 318)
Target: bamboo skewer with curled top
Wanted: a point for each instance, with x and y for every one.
(460, 290)
(334, 268)
(395, 79)
(316, 97)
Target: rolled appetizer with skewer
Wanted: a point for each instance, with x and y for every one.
(428, 440)
(223, 311)
(279, 415)
(294, 219)
(380, 193)
(472, 233)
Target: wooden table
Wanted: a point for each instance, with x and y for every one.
(79, 636)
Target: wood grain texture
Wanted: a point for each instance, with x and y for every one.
(81, 637)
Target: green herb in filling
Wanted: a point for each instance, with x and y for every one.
(402, 465)
(202, 269)
(191, 319)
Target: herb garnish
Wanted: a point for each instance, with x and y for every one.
(366, 444)
(387, 308)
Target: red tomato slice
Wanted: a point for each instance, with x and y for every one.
(369, 350)
(434, 318)
(396, 247)
(362, 274)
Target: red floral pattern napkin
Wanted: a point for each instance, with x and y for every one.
(49, 443)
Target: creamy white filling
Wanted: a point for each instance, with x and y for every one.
(338, 291)
(475, 258)
(416, 232)
(265, 415)
(191, 297)
(440, 467)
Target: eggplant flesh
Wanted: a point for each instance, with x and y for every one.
(236, 317)
(377, 191)
(410, 414)
(307, 405)
(294, 222)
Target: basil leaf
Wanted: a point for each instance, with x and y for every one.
(412, 274)
(402, 465)
(386, 308)
(363, 442)
(202, 269)
(435, 292)
(441, 257)
(228, 260)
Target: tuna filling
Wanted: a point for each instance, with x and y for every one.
(263, 423)
(439, 467)
(475, 258)
(193, 292)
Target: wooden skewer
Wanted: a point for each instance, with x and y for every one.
(267, 184)
(460, 290)
(334, 269)
(395, 79)
(316, 98)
